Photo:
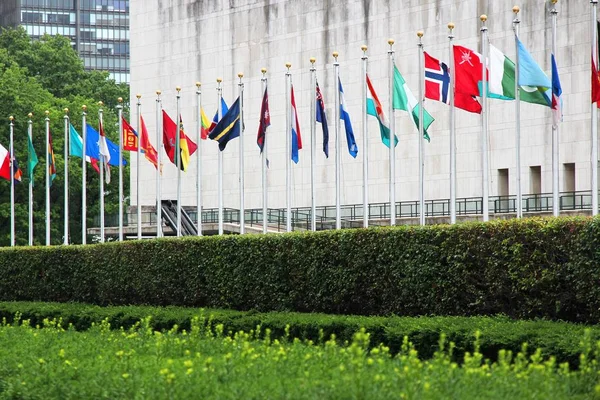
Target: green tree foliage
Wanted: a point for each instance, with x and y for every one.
(36, 76)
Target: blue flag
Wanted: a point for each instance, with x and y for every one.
(92, 147)
(322, 118)
(556, 94)
(215, 119)
(530, 73)
(228, 127)
(344, 116)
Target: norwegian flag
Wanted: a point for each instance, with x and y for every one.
(437, 86)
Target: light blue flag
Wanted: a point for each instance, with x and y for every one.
(75, 143)
(530, 73)
(344, 116)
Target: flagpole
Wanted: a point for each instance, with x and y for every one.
(178, 160)
(594, 114)
(313, 145)
(421, 132)
(137, 167)
(47, 120)
(264, 160)
(121, 200)
(159, 133)
(288, 148)
(365, 62)
(516, 22)
(220, 156)
(242, 210)
(392, 137)
(66, 199)
(30, 133)
(102, 161)
(336, 116)
(555, 148)
(199, 159)
(83, 176)
(452, 130)
(484, 119)
(12, 183)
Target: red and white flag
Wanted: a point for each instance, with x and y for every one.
(4, 163)
(468, 66)
(103, 146)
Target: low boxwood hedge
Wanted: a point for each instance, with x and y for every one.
(532, 268)
(559, 339)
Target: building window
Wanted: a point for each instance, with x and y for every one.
(31, 17)
(503, 203)
(569, 177)
(535, 179)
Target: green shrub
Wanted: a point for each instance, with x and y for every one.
(559, 339)
(533, 268)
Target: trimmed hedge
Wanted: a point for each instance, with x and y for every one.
(532, 268)
(559, 339)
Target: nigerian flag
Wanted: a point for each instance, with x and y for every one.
(405, 100)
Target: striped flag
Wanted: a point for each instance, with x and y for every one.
(296, 137)
(375, 109)
(344, 116)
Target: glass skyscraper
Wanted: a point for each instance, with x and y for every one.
(98, 29)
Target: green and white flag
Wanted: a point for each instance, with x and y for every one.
(502, 81)
(32, 160)
(405, 100)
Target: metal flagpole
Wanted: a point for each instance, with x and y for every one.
(178, 160)
(66, 199)
(102, 161)
(47, 120)
(12, 183)
(159, 134)
(516, 22)
(220, 156)
(264, 159)
(313, 145)
(199, 159)
(365, 62)
(338, 167)
(594, 138)
(83, 176)
(121, 200)
(242, 210)
(392, 137)
(288, 148)
(30, 133)
(555, 148)
(484, 119)
(452, 130)
(421, 129)
(137, 167)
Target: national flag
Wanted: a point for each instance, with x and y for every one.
(344, 116)
(229, 126)
(467, 71)
(595, 84)
(556, 93)
(147, 148)
(375, 109)
(93, 147)
(4, 163)
(52, 161)
(18, 174)
(322, 118)
(186, 146)
(264, 122)
(130, 138)
(437, 86)
(531, 76)
(103, 148)
(296, 137)
(76, 148)
(32, 160)
(215, 120)
(405, 100)
(205, 125)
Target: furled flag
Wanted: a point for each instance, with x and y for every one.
(296, 137)
(52, 160)
(595, 84)
(344, 116)
(130, 138)
(4, 163)
(32, 160)
(76, 148)
(205, 125)
(229, 126)
(17, 171)
(264, 122)
(437, 86)
(186, 146)
(405, 100)
(375, 109)
(215, 120)
(322, 118)
(556, 93)
(103, 148)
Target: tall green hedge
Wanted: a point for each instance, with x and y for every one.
(529, 268)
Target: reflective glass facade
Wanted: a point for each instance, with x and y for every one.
(98, 29)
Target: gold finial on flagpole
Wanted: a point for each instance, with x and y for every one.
(120, 99)
(198, 84)
(288, 65)
(335, 55)
(30, 115)
(66, 110)
(483, 18)
(47, 113)
(100, 103)
(158, 92)
(516, 9)
(219, 80)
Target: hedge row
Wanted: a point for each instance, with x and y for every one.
(546, 268)
(559, 339)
